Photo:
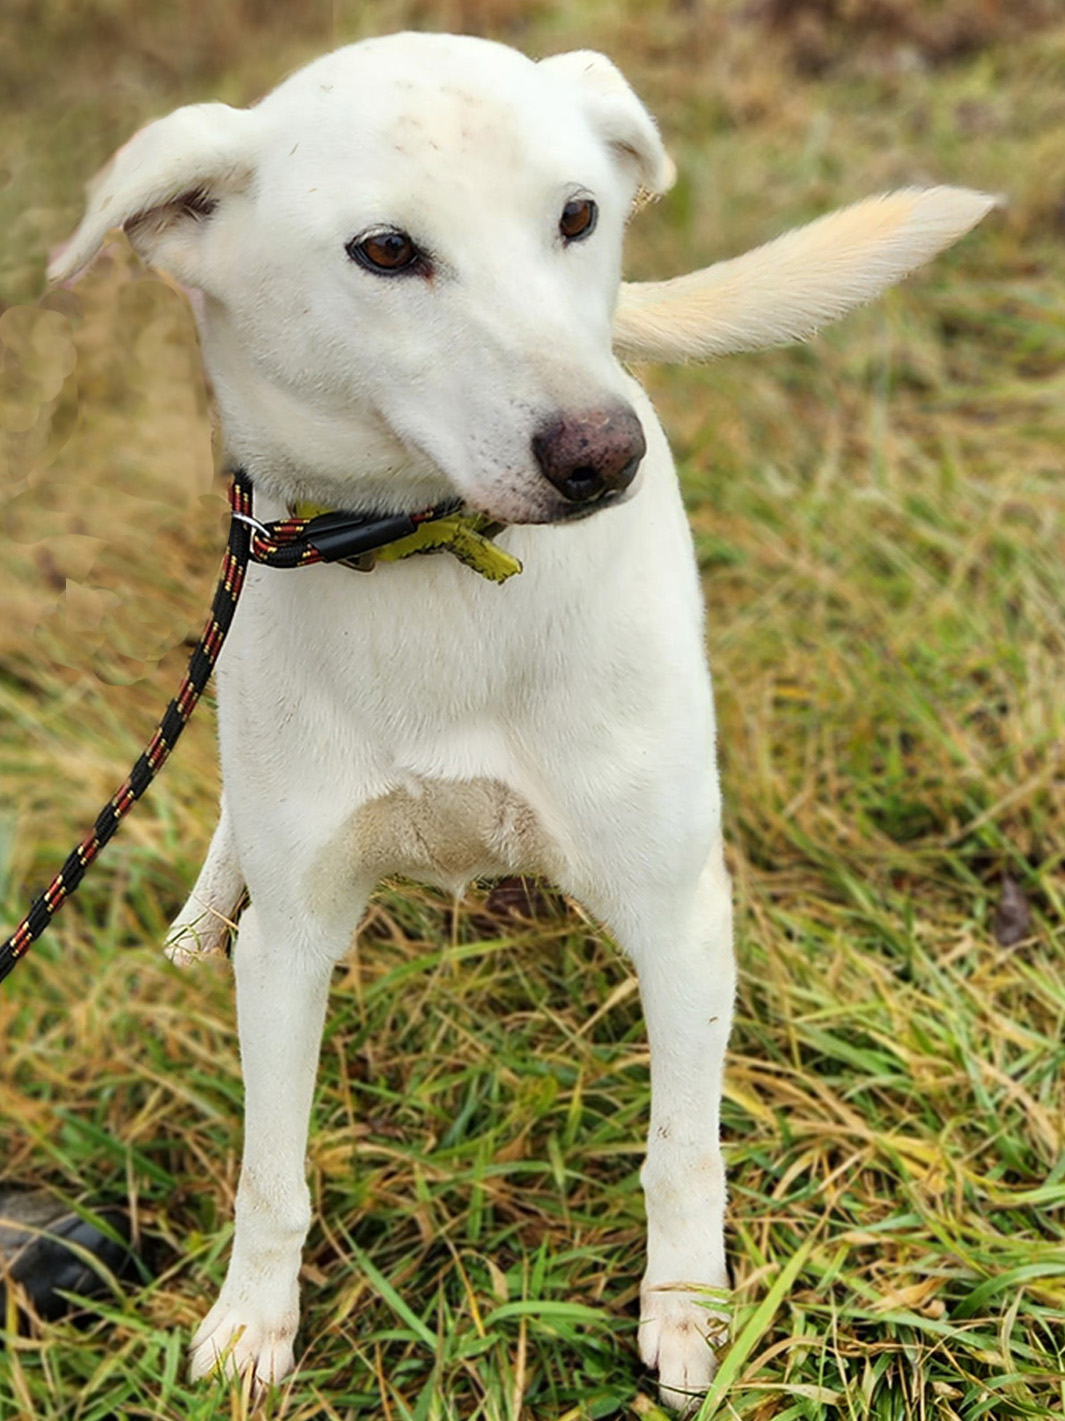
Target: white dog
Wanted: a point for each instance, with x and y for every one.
(409, 259)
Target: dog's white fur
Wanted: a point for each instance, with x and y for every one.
(421, 720)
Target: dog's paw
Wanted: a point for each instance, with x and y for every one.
(190, 942)
(238, 1343)
(181, 955)
(680, 1325)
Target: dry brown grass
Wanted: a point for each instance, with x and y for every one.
(879, 516)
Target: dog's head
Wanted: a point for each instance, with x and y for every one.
(409, 258)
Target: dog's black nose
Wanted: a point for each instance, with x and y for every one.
(591, 454)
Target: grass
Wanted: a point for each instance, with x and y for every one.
(879, 516)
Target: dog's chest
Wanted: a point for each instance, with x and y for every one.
(447, 832)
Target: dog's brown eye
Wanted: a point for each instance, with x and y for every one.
(389, 252)
(578, 219)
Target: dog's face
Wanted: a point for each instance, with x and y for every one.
(412, 247)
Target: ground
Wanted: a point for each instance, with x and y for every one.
(880, 517)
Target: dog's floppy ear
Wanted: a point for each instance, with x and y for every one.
(161, 186)
(786, 290)
(617, 114)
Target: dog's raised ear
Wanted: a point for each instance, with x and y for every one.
(162, 186)
(618, 115)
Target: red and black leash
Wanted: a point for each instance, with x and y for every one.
(288, 542)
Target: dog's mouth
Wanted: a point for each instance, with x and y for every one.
(549, 512)
(577, 512)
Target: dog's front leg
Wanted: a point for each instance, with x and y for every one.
(682, 948)
(282, 987)
(205, 922)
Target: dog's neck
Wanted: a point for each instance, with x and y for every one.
(284, 484)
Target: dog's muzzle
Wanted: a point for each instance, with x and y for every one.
(590, 457)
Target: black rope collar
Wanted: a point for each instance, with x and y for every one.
(327, 537)
(288, 542)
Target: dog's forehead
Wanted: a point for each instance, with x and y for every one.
(447, 106)
(405, 66)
